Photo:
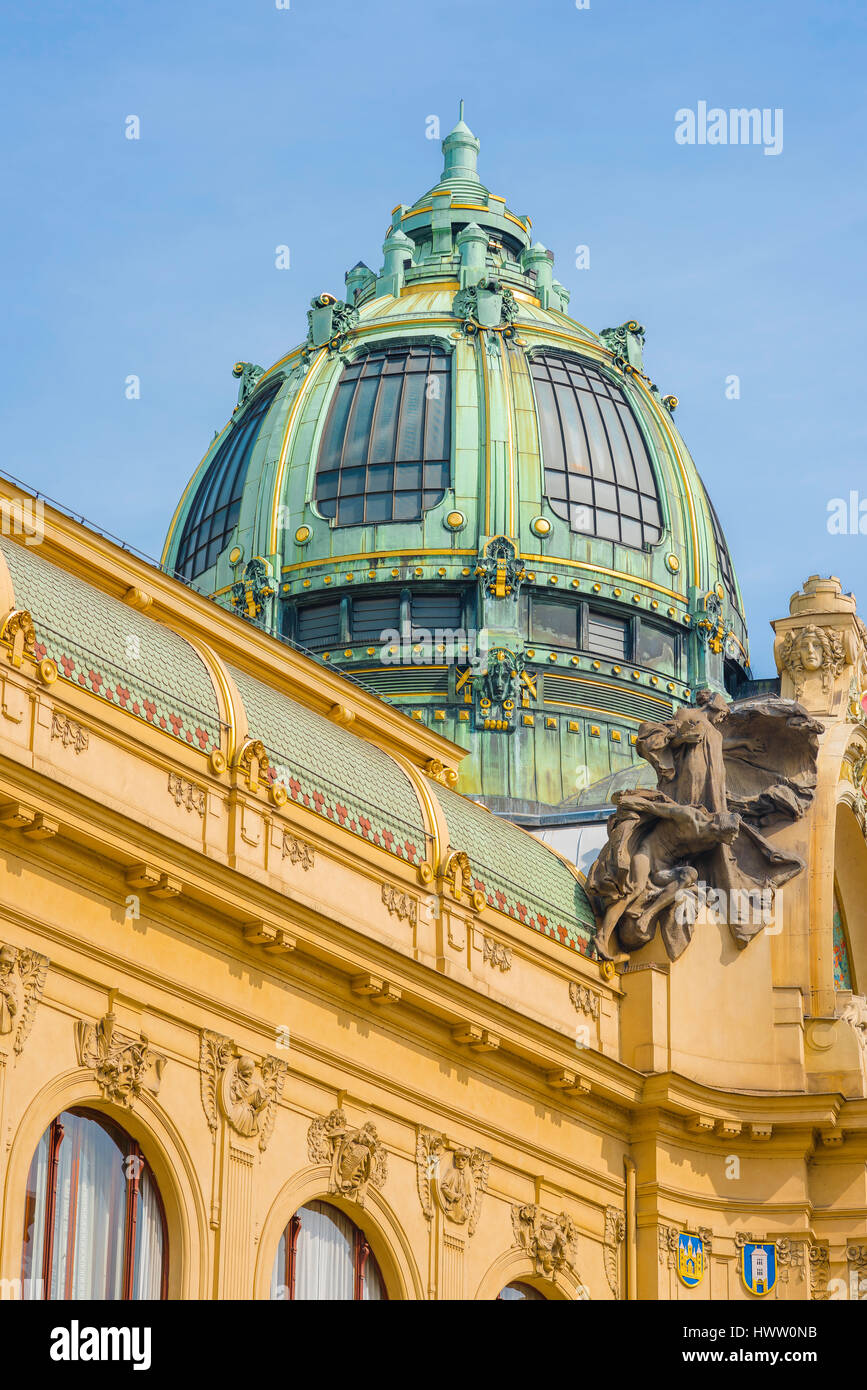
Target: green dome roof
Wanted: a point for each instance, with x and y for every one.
(474, 503)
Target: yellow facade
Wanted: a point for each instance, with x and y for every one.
(602, 1110)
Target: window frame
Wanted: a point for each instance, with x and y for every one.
(435, 346)
(361, 1253)
(214, 481)
(56, 1134)
(617, 396)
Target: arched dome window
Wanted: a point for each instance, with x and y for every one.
(597, 470)
(322, 1255)
(217, 504)
(387, 441)
(94, 1225)
(726, 568)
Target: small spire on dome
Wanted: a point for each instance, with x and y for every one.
(461, 150)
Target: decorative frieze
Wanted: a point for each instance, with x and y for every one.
(584, 1000)
(123, 1063)
(403, 906)
(186, 794)
(356, 1158)
(233, 1084)
(497, 954)
(70, 734)
(549, 1240)
(452, 1176)
(298, 851)
(22, 980)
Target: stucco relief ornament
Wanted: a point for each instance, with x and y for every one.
(250, 593)
(726, 774)
(123, 1063)
(22, 980)
(500, 569)
(488, 305)
(615, 1230)
(810, 651)
(356, 1157)
(329, 321)
(454, 1178)
(496, 692)
(249, 374)
(550, 1240)
(234, 1085)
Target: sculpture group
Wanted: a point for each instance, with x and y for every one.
(728, 777)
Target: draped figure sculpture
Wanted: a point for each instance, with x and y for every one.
(725, 774)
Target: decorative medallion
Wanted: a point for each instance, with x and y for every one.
(356, 1158)
(234, 1085)
(453, 1176)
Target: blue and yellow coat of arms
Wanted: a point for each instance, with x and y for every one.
(690, 1263)
(759, 1267)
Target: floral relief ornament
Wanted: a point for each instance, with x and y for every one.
(22, 980)
(356, 1157)
(235, 1085)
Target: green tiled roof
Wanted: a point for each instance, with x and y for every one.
(518, 873)
(334, 772)
(117, 653)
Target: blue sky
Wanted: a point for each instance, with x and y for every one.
(305, 126)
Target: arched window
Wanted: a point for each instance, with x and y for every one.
(520, 1293)
(94, 1225)
(840, 946)
(216, 506)
(323, 1256)
(597, 469)
(387, 441)
(726, 568)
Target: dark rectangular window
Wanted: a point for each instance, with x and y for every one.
(436, 611)
(554, 623)
(656, 647)
(319, 624)
(607, 636)
(371, 617)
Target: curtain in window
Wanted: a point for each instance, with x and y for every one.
(325, 1267)
(332, 1260)
(83, 1207)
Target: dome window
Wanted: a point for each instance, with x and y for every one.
(597, 469)
(216, 506)
(387, 441)
(726, 568)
